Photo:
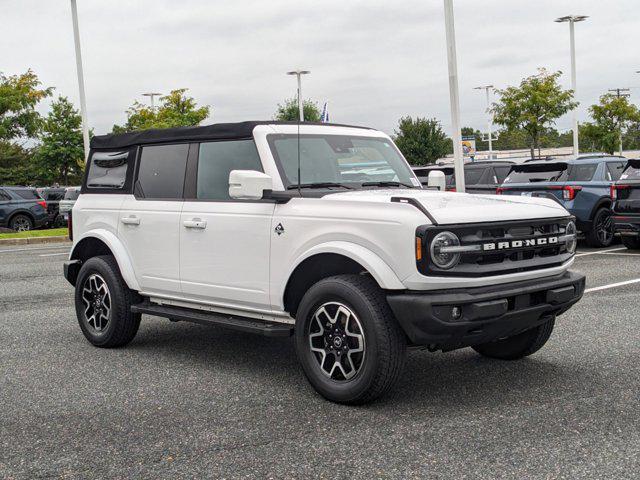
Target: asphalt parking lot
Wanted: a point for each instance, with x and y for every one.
(186, 401)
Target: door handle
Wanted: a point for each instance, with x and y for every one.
(195, 223)
(130, 220)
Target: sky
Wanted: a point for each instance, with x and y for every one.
(373, 61)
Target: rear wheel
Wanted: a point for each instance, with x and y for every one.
(518, 346)
(632, 243)
(103, 304)
(601, 234)
(21, 223)
(347, 340)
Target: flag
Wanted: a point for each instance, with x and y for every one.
(324, 118)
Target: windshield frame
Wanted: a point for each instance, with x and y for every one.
(413, 181)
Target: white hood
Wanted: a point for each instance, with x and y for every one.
(452, 207)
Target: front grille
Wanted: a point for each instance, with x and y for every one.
(517, 246)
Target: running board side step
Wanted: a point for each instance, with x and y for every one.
(250, 325)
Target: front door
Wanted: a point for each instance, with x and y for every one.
(150, 219)
(224, 243)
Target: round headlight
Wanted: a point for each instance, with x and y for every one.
(571, 234)
(439, 254)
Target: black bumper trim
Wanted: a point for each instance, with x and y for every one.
(486, 313)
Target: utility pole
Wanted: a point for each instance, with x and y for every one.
(83, 100)
(572, 19)
(298, 74)
(620, 92)
(151, 96)
(454, 99)
(488, 88)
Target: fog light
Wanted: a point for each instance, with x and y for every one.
(456, 313)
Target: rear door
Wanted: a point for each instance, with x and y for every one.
(224, 243)
(149, 219)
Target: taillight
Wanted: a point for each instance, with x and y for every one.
(70, 225)
(499, 190)
(43, 204)
(613, 190)
(569, 191)
(450, 189)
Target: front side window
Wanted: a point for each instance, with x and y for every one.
(108, 170)
(161, 172)
(582, 172)
(352, 161)
(215, 162)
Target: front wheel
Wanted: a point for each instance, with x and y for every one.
(349, 344)
(103, 304)
(632, 243)
(602, 229)
(520, 345)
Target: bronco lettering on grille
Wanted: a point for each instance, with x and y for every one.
(531, 242)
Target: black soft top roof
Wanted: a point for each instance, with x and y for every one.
(217, 131)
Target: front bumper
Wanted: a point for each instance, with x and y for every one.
(627, 225)
(486, 313)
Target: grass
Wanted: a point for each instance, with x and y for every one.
(50, 232)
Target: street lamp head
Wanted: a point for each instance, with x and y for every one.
(571, 18)
(298, 72)
(151, 94)
(483, 87)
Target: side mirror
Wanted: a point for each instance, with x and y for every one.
(248, 184)
(437, 180)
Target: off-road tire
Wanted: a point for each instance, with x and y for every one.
(632, 243)
(594, 237)
(384, 341)
(518, 346)
(122, 324)
(21, 220)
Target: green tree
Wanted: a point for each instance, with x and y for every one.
(16, 165)
(175, 110)
(19, 96)
(289, 112)
(60, 156)
(613, 117)
(422, 140)
(533, 106)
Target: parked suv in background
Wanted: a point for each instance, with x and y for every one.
(21, 208)
(479, 177)
(582, 186)
(66, 204)
(626, 206)
(264, 227)
(52, 195)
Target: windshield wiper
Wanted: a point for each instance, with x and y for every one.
(386, 184)
(318, 185)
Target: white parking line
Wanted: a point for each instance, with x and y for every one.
(33, 249)
(622, 253)
(612, 285)
(52, 254)
(600, 252)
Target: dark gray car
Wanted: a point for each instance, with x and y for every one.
(21, 208)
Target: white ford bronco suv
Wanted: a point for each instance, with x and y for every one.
(318, 231)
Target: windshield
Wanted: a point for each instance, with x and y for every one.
(340, 160)
(537, 173)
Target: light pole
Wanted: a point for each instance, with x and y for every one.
(151, 96)
(454, 100)
(83, 100)
(298, 74)
(572, 19)
(488, 88)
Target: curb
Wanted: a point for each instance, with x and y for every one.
(33, 240)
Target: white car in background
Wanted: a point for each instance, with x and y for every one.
(68, 201)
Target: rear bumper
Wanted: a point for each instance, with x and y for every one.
(487, 313)
(627, 225)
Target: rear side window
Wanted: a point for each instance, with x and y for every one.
(28, 194)
(215, 162)
(4, 196)
(582, 173)
(614, 170)
(161, 172)
(108, 170)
